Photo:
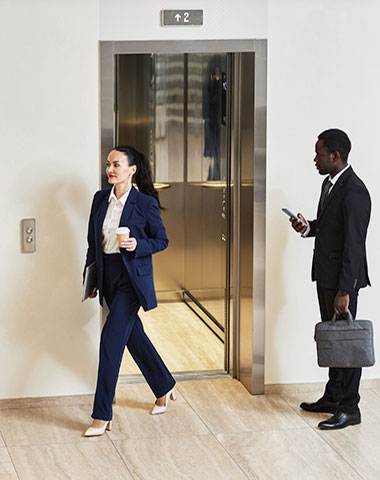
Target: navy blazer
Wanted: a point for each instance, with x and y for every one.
(141, 214)
(340, 231)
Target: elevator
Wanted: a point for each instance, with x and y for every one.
(197, 110)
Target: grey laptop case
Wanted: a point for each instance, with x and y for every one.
(345, 343)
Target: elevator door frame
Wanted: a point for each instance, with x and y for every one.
(246, 352)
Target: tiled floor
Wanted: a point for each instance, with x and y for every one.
(215, 430)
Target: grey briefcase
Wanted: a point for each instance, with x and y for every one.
(345, 343)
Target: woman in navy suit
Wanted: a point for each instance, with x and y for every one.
(125, 279)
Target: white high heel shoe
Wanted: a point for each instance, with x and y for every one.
(157, 409)
(96, 432)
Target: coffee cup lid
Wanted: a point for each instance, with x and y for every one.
(121, 230)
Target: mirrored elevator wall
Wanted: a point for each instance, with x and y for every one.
(207, 183)
(173, 108)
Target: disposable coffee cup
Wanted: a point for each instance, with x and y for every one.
(122, 233)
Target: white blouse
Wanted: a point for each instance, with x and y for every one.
(112, 220)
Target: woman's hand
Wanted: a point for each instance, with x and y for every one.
(94, 293)
(129, 244)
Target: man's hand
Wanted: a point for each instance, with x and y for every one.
(341, 303)
(297, 224)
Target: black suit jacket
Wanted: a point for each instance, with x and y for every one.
(340, 231)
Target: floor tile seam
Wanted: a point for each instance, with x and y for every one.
(13, 463)
(229, 454)
(121, 457)
(52, 406)
(81, 439)
(264, 430)
(2, 409)
(231, 457)
(195, 412)
(373, 390)
(44, 407)
(153, 437)
(64, 444)
(181, 435)
(269, 430)
(19, 400)
(195, 435)
(328, 445)
(297, 411)
(213, 435)
(318, 432)
(2, 438)
(32, 401)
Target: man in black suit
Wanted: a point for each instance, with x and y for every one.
(339, 263)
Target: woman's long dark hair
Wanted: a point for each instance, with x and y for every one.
(143, 176)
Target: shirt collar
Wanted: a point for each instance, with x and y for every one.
(335, 178)
(122, 199)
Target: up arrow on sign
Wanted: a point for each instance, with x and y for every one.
(181, 17)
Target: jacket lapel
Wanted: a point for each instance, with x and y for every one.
(128, 207)
(339, 184)
(100, 217)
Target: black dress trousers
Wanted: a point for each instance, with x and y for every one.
(343, 384)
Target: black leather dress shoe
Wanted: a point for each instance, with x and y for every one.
(340, 420)
(320, 405)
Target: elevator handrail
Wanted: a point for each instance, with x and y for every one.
(161, 186)
(217, 184)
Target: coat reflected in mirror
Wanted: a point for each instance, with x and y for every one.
(212, 116)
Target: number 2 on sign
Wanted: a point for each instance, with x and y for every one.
(186, 17)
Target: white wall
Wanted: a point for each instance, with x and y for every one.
(49, 159)
(49, 151)
(323, 73)
(127, 20)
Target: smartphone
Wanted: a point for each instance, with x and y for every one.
(291, 214)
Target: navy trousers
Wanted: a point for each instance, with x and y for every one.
(343, 384)
(123, 328)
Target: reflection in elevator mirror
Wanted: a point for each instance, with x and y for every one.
(184, 343)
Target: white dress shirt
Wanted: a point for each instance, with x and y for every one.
(332, 180)
(112, 220)
(335, 178)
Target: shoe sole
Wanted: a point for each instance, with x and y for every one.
(340, 427)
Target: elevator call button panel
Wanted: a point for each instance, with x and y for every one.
(28, 235)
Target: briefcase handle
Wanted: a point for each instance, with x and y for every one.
(350, 319)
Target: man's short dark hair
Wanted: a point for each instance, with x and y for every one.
(335, 140)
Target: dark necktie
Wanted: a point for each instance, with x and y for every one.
(325, 192)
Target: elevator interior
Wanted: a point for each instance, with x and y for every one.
(173, 108)
(196, 116)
